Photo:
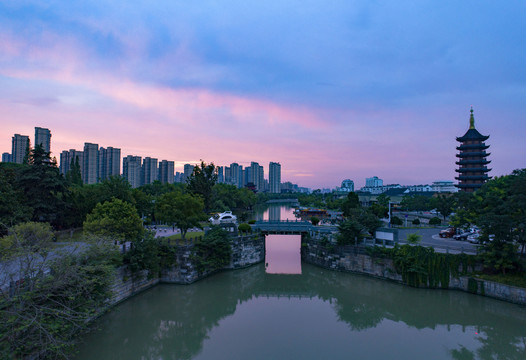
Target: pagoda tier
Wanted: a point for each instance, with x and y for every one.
(472, 172)
(473, 162)
(479, 147)
(472, 177)
(464, 154)
(466, 170)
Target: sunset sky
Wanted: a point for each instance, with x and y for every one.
(330, 89)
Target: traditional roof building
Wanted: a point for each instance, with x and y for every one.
(472, 169)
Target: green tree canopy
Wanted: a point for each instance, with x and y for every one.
(183, 210)
(43, 186)
(115, 219)
(202, 181)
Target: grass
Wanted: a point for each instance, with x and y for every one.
(518, 280)
(189, 235)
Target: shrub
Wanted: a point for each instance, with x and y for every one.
(395, 220)
(435, 221)
(416, 221)
(251, 222)
(314, 220)
(246, 228)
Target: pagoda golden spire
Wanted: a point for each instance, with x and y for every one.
(471, 119)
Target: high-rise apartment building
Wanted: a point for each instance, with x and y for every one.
(274, 177)
(90, 168)
(220, 174)
(43, 138)
(19, 148)
(149, 170)
(6, 157)
(261, 181)
(166, 172)
(109, 162)
(69, 157)
(255, 175)
(188, 170)
(347, 185)
(132, 170)
(236, 175)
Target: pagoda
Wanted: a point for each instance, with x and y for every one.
(472, 169)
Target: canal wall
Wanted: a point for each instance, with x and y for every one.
(356, 260)
(246, 251)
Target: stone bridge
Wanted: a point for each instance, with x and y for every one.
(290, 227)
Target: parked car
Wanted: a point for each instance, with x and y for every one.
(447, 233)
(463, 236)
(223, 218)
(474, 238)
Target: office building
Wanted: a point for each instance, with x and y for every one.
(132, 170)
(43, 138)
(149, 170)
(109, 162)
(274, 177)
(472, 164)
(90, 168)
(67, 158)
(374, 182)
(166, 172)
(19, 148)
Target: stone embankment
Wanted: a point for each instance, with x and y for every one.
(357, 260)
(246, 250)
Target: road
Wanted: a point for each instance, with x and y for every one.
(430, 238)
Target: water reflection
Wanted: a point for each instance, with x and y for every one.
(282, 254)
(318, 314)
(274, 212)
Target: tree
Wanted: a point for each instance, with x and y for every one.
(444, 205)
(73, 175)
(351, 202)
(314, 220)
(202, 181)
(43, 186)
(349, 231)
(115, 219)
(52, 296)
(416, 221)
(13, 209)
(214, 251)
(183, 210)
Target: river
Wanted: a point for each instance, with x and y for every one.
(285, 309)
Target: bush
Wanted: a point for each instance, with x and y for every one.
(416, 221)
(246, 228)
(395, 220)
(314, 220)
(435, 221)
(252, 221)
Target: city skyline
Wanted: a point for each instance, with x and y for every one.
(334, 91)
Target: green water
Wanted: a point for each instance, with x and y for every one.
(318, 314)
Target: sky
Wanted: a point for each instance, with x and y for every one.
(332, 90)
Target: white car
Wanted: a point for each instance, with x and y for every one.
(474, 238)
(223, 218)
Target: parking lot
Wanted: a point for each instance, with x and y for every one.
(430, 238)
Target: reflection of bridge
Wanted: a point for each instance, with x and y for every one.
(290, 227)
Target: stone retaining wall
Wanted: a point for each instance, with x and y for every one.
(246, 250)
(356, 260)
